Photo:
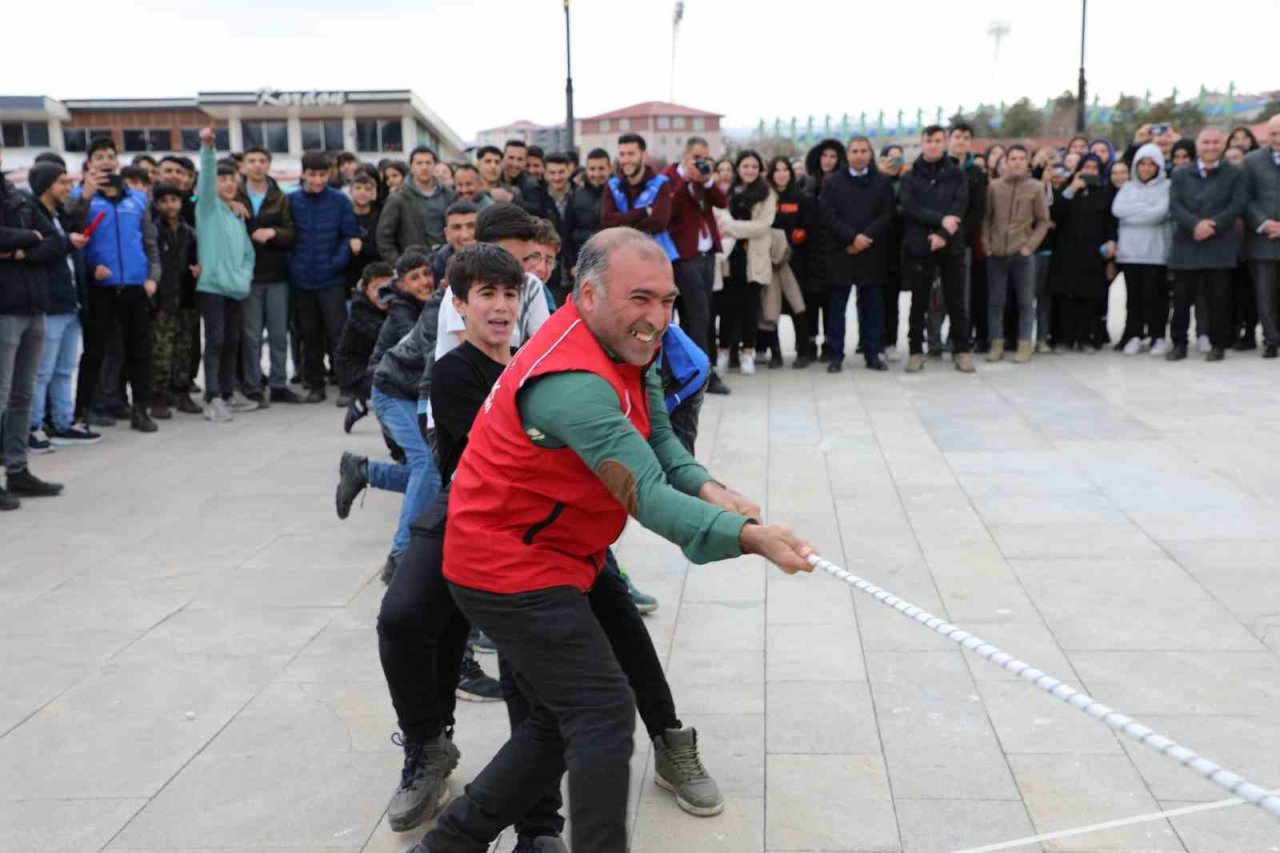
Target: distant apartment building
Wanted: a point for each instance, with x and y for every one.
(665, 127)
(550, 137)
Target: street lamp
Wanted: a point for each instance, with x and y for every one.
(568, 83)
(1080, 94)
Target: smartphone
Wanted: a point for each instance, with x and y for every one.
(1159, 129)
(896, 161)
(1090, 180)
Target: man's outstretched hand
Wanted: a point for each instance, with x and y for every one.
(777, 544)
(726, 498)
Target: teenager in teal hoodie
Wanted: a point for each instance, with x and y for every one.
(226, 273)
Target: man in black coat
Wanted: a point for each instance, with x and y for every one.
(959, 150)
(857, 207)
(934, 197)
(582, 217)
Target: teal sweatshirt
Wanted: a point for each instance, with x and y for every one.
(222, 242)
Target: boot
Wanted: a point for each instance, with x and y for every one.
(27, 485)
(996, 353)
(353, 477)
(160, 407)
(141, 421)
(964, 362)
(1024, 353)
(915, 362)
(422, 789)
(678, 768)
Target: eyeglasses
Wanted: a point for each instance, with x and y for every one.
(538, 257)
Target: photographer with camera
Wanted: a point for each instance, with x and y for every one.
(692, 227)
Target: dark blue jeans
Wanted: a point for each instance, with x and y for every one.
(870, 320)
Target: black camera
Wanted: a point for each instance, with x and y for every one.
(703, 165)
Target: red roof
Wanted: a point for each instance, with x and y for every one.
(654, 108)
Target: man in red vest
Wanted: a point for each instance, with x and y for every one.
(574, 438)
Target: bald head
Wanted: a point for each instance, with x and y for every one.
(625, 292)
(594, 258)
(1273, 133)
(1210, 144)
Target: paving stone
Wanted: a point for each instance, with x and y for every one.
(812, 800)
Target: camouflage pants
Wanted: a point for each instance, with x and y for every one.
(171, 338)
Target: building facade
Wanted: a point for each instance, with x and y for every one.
(550, 137)
(665, 128)
(372, 124)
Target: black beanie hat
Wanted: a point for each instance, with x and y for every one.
(42, 175)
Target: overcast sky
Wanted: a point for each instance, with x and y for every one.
(485, 63)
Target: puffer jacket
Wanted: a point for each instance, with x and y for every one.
(404, 369)
(355, 347)
(1142, 209)
(323, 225)
(402, 312)
(24, 283)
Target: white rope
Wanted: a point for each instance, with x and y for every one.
(1223, 778)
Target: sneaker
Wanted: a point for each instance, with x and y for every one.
(775, 361)
(73, 435)
(915, 362)
(315, 395)
(241, 403)
(216, 411)
(355, 412)
(1133, 346)
(678, 768)
(344, 399)
(748, 364)
(1270, 352)
(1023, 353)
(877, 364)
(186, 405)
(480, 642)
(8, 501)
(835, 365)
(722, 361)
(353, 478)
(1177, 353)
(475, 686)
(284, 395)
(1202, 343)
(715, 385)
(964, 362)
(802, 361)
(38, 441)
(1043, 348)
(1159, 349)
(892, 355)
(141, 421)
(541, 844)
(100, 418)
(24, 484)
(422, 791)
(1215, 354)
(644, 602)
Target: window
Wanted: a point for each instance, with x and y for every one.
(678, 122)
(271, 135)
(191, 139)
(426, 137)
(604, 125)
(379, 135)
(26, 134)
(699, 124)
(78, 138)
(148, 139)
(624, 124)
(664, 123)
(322, 135)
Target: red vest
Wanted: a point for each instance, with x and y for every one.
(522, 517)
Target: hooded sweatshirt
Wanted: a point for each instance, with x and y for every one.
(1142, 209)
(222, 243)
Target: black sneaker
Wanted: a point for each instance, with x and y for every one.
(315, 395)
(1270, 352)
(285, 395)
(38, 441)
(344, 399)
(715, 385)
(801, 362)
(353, 478)
(835, 365)
(73, 435)
(27, 485)
(876, 364)
(8, 501)
(142, 422)
(422, 791)
(775, 361)
(120, 411)
(355, 412)
(541, 844)
(99, 418)
(480, 642)
(1215, 354)
(1178, 353)
(475, 686)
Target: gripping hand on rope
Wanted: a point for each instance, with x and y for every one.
(777, 544)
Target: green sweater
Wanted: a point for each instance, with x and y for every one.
(222, 242)
(581, 411)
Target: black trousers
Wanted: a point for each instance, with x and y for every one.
(581, 719)
(978, 302)
(223, 320)
(617, 615)
(1244, 304)
(740, 321)
(129, 308)
(321, 315)
(1215, 286)
(1075, 320)
(422, 635)
(1146, 301)
(919, 274)
(695, 278)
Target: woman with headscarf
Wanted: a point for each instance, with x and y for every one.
(749, 220)
(822, 159)
(1077, 277)
(1141, 207)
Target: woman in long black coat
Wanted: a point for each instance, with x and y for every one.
(1077, 276)
(824, 158)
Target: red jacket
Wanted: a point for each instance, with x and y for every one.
(521, 517)
(691, 210)
(652, 223)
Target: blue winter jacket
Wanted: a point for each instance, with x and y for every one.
(324, 223)
(120, 242)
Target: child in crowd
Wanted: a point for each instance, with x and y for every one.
(174, 306)
(359, 336)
